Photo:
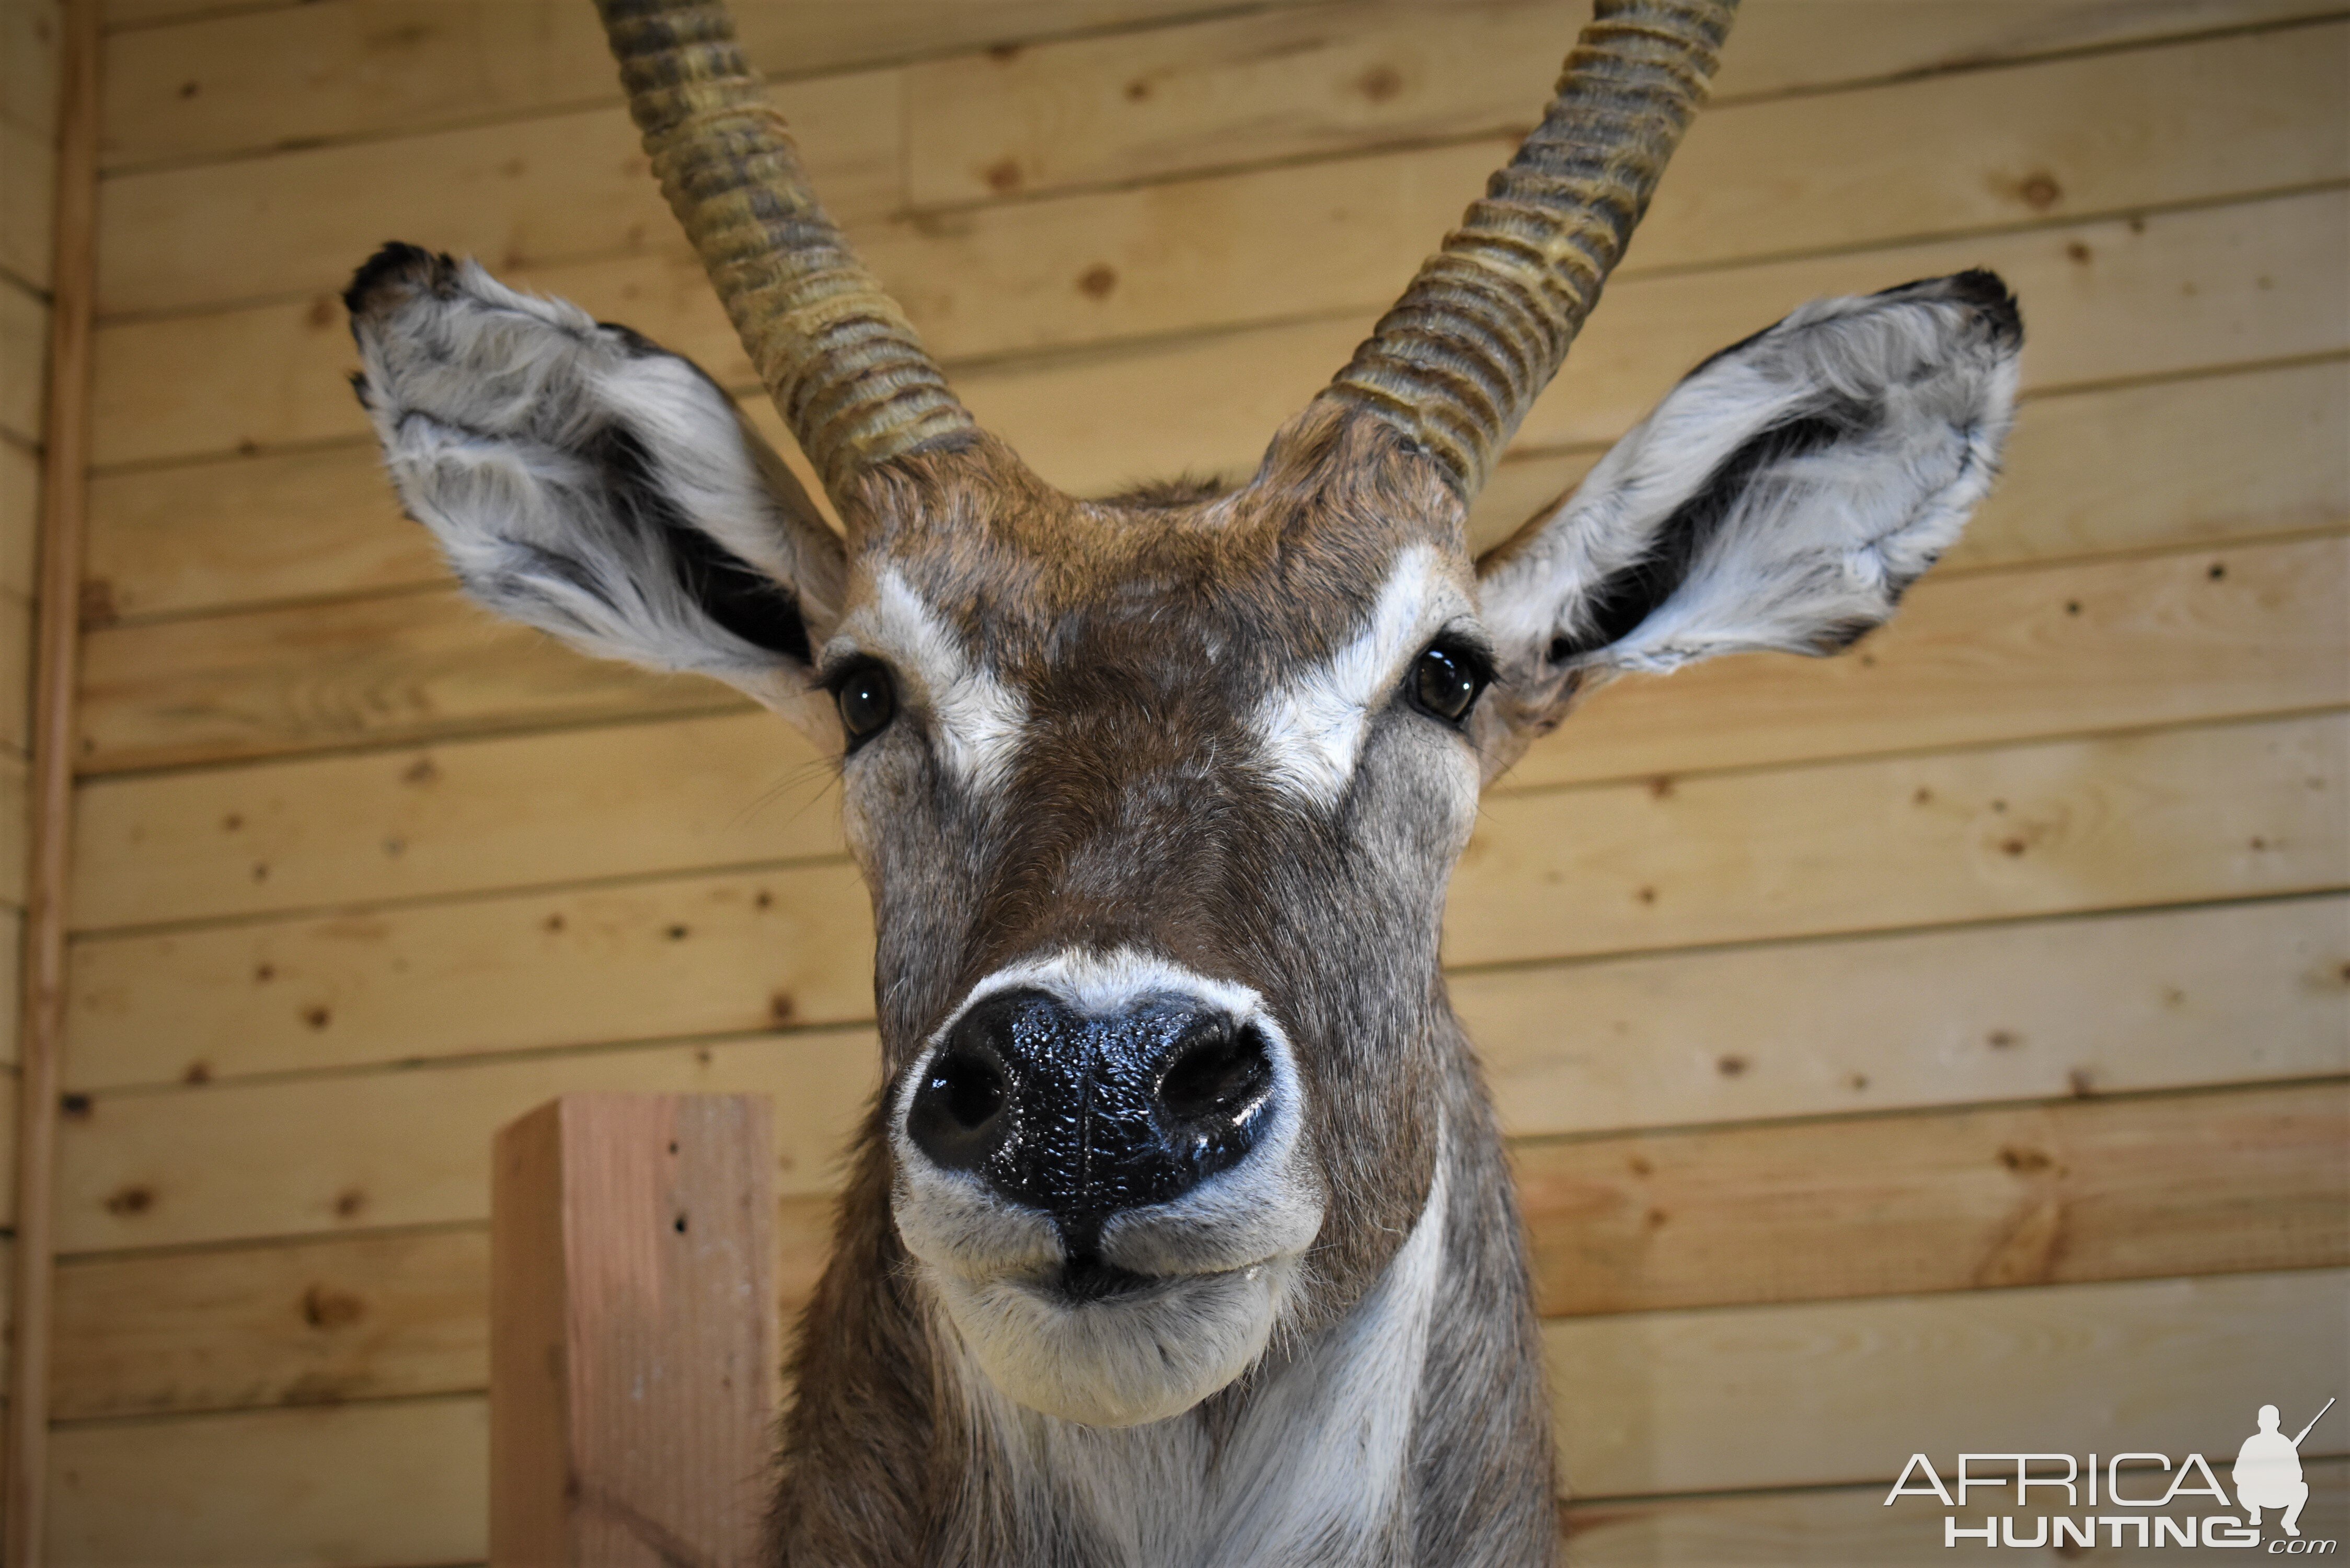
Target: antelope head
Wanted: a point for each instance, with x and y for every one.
(1158, 796)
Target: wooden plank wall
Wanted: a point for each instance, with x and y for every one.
(1941, 1047)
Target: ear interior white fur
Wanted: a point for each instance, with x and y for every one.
(583, 481)
(1782, 496)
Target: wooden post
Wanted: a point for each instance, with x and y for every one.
(65, 483)
(634, 1363)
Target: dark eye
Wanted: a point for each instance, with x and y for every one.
(866, 702)
(1445, 682)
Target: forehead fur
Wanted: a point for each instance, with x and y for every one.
(1253, 581)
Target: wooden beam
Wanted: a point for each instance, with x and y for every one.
(65, 467)
(633, 1354)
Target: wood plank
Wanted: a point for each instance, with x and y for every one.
(14, 851)
(1644, 1401)
(416, 667)
(323, 1320)
(28, 173)
(308, 1322)
(349, 1152)
(1327, 80)
(1832, 1392)
(20, 515)
(2204, 1184)
(633, 1355)
(2233, 285)
(1998, 656)
(2237, 1181)
(2239, 810)
(515, 194)
(29, 34)
(24, 362)
(10, 1131)
(275, 76)
(694, 956)
(2035, 1009)
(2178, 462)
(472, 816)
(1851, 1525)
(403, 1482)
(247, 531)
(12, 980)
(16, 682)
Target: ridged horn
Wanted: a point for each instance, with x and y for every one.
(843, 364)
(1488, 320)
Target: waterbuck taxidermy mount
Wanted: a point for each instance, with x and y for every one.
(1181, 1232)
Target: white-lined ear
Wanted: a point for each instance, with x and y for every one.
(1782, 496)
(587, 483)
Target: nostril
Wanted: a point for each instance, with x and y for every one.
(968, 1089)
(957, 1117)
(1218, 1073)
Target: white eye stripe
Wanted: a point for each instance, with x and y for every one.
(1310, 731)
(980, 719)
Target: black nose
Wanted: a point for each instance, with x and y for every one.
(1084, 1116)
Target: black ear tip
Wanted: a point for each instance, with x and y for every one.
(1988, 292)
(1978, 287)
(397, 268)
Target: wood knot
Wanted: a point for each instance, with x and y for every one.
(1379, 83)
(1002, 176)
(1730, 1067)
(2040, 192)
(349, 1202)
(2023, 1161)
(129, 1200)
(324, 1308)
(1098, 281)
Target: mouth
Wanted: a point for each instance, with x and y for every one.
(1088, 1277)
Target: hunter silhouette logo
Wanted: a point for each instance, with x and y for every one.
(2143, 1490)
(2268, 1470)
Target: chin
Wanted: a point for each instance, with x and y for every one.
(1113, 1349)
